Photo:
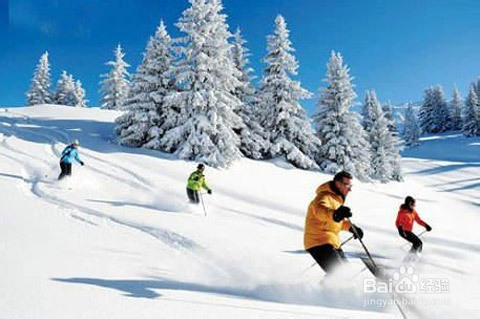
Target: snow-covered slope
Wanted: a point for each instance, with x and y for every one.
(119, 240)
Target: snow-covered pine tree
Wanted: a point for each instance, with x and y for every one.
(80, 94)
(207, 78)
(427, 112)
(476, 86)
(411, 127)
(114, 87)
(456, 105)
(385, 157)
(253, 142)
(442, 112)
(390, 116)
(39, 91)
(146, 110)
(471, 116)
(344, 141)
(434, 112)
(65, 91)
(289, 128)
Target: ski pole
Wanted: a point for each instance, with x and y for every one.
(361, 242)
(343, 243)
(203, 204)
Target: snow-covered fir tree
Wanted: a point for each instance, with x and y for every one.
(253, 142)
(290, 132)
(80, 94)
(471, 114)
(69, 92)
(115, 86)
(39, 91)
(434, 112)
(384, 145)
(390, 116)
(146, 112)
(344, 141)
(411, 127)
(476, 86)
(207, 78)
(456, 105)
(65, 90)
(426, 111)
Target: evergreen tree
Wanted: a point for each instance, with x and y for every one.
(442, 113)
(39, 92)
(434, 113)
(114, 89)
(411, 128)
(69, 92)
(65, 91)
(476, 87)
(290, 132)
(456, 110)
(344, 141)
(471, 116)
(206, 78)
(426, 113)
(384, 145)
(142, 124)
(253, 142)
(390, 116)
(80, 94)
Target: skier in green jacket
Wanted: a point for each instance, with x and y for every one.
(195, 182)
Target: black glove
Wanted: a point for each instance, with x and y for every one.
(401, 232)
(356, 231)
(82, 163)
(209, 191)
(341, 213)
(427, 227)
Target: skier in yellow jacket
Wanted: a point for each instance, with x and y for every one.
(326, 217)
(195, 182)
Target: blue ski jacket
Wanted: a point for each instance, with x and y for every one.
(69, 154)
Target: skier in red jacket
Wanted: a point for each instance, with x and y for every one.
(405, 218)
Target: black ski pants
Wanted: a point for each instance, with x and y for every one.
(66, 170)
(411, 237)
(193, 196)
(327, 257)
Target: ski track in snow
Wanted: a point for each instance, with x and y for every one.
(109, 169)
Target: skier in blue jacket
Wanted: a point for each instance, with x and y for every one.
(69, 154)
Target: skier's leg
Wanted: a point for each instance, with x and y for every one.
(68, 169)
(62, 171)
(196, 197)
(416, 242)
(193, 196)
(190, 195)
(326, 256)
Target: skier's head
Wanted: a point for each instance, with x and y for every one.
(201, 167)
(75, 143)
(343, 182)
(409, 202)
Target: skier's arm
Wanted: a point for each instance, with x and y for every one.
(419, 220)
(77, 157)
(204, 184)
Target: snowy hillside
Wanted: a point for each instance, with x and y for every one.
(119, 240)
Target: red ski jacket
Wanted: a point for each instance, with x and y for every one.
(406, 217)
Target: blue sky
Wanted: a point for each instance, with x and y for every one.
(397, 48)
